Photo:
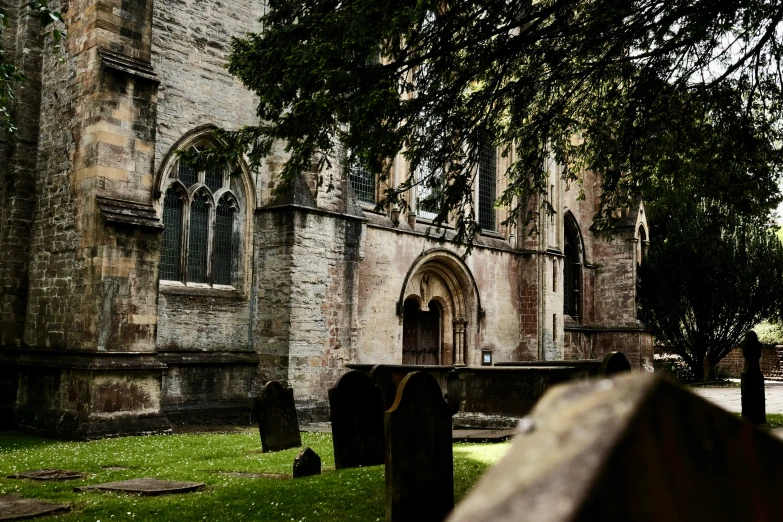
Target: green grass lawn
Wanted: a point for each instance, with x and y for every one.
(354, 494)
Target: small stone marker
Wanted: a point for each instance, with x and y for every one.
(145, 487)
(49, 474)
(357, 421)
(278, 423)
(634, 448)
(382, 377)
(419, 461)
(307, 463)
(753, 401)
(15, 507)
(614, 362)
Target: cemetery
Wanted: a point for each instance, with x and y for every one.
(411, 261)
(578, 444)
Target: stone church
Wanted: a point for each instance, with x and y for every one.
(135, 291)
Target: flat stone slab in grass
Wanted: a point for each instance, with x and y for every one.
(49, 474)
(146, 487)
(254, 475)
(14, 507)
(481, 435)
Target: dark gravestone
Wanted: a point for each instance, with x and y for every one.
(753, 401)
(634, 448)
(307, 463)
(357, 421)
(419, 463)
(278, 424)
(614, 362)
(382, 377)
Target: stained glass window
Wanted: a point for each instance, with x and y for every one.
(170, 256)
(187, 175)
(362, 181)
(197, 245)
(487, 174)
(224, 242)
(214, 179)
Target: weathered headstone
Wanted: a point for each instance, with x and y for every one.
(307, 463)
(382, 377)
(146, 487)
(614, 362)
(419, 461)
(357, 421)
(278, 423)
(633, 448)
(753, 400)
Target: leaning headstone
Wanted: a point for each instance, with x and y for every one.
(614, 362)
(278, 423)
(634, 448)
(419, 462)
(307, 463)
(357, 421)
(752, 381)
(15, 507)
(382, 377)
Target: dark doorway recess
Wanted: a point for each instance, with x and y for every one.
(421, 337)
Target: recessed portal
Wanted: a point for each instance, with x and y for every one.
(421, 338)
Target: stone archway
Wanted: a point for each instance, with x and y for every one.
(441, 310)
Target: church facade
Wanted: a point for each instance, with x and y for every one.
(137, 291)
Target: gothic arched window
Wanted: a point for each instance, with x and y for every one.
(572, 270)
(201, 218)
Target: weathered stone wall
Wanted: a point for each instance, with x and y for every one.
(93, 283)
(22, 45)
(304, 323)
(733, 363)
(190, 47)
(391, 252)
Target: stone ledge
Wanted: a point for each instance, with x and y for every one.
(209, 358)
(92, 361)
(220, 293)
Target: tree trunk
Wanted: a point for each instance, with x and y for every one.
(708, 369)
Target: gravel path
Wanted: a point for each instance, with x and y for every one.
(730, 398)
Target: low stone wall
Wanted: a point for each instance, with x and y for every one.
(732, 364)
(495, 396)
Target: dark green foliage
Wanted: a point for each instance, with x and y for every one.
(637, 91)
(709, 281)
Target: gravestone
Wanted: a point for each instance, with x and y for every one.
(752, 381)
(278, 423)
(631, 449)
(614, 362)
(419, 462)
(307, 463)
(382, 377)
(356, 410)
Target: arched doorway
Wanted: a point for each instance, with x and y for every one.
(422, 333)
(440, 310)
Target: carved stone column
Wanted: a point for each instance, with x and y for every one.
(459, 341)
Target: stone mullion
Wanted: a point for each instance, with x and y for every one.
(210, 239)
(185, 240)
